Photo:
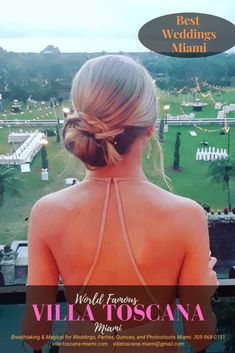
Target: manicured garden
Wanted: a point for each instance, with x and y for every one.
(190, 181)
(208, 111)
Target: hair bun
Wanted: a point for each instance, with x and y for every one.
(89, 139)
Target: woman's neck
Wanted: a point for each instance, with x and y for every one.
(130, 166)
(117, 172)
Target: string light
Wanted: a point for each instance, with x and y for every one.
(30, 110)
(198, 89)
(218, 88)
(225, 128)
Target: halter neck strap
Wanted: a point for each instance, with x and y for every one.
(122, 222)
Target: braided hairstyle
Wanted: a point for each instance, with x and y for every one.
(114, 99)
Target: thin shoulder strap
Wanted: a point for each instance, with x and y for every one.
(102, 227)
(124, 232)
(128, 244)
(101, 232)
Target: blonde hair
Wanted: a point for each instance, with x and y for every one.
(114, 99)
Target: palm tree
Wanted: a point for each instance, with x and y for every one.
(8, 182)
(221, 171)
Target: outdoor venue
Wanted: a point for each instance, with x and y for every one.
(211, 129)
(34, 163)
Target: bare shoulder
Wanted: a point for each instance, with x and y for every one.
(181, 213)
(54, 206)
(171, 201)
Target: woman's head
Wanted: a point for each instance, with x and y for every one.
(114, 99)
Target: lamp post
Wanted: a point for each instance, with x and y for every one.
(227, 130)
(57, 120)
(66, 111)
(44, 170)
(229, 133)
(166, 108)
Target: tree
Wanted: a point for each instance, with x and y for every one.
(44, 158)
(161, 131)
(176, 164)
(51, 49)
(57, 133)
(8, 182)
(221, 171)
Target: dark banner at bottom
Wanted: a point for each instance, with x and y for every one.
(118, 319)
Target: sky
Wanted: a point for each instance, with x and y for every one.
(91, 25)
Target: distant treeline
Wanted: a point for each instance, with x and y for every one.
(49, 74)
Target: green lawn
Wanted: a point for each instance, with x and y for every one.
(191, 181)
(34, 112)
(40, 111)
(207, 111)
(16, 209)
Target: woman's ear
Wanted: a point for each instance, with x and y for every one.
(150, 131)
